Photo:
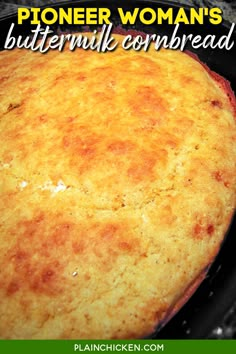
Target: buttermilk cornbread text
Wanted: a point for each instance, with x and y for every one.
(117, 187)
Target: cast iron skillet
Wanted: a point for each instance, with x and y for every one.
(217, 293)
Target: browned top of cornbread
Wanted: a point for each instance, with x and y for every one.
(117, 186)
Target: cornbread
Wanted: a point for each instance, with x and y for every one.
(117, 188)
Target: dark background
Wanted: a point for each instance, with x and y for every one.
(228, 6)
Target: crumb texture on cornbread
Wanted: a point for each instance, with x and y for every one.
(117, 186)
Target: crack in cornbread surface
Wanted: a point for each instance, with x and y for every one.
(117, 187)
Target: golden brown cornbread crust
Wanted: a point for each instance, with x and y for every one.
(117, 187)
